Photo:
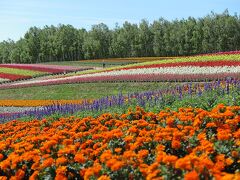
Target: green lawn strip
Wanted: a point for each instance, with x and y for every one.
(20, 71)
(81, 91)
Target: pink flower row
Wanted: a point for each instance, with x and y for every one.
(144, 77)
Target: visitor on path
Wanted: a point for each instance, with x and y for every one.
(103, 64)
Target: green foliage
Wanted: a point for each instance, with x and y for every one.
(212, 33)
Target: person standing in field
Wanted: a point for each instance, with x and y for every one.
(103, 64)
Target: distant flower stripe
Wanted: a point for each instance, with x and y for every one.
(13, 76)
(3, 79)
(198, 64)
(221, 53)
(177, 73)
(42, 68)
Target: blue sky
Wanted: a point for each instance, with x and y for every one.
(16, 16)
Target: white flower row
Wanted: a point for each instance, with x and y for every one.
(171, 70)
(2, 79)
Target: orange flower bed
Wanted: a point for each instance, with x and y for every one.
(34, 103)
(189, 143)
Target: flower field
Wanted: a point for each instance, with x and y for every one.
(188, 143)
(188, 129)
(11, 72)
(193, 68)
(218, 90)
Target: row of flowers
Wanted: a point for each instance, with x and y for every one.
(224, 53)
(227, 59)
(188, 143)
(22, 72)
(42, 67)
(12, 72)
(198, 58)
(119, 78)
(12, 77)
(152, 98)
(159, 72)
(3, 79)
(35, 103)
(221, 63)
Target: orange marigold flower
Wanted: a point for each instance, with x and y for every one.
(61, 173)
(211, 124)
(142, 153)
(3, 177)
(5, 164)
(222, 135)
(169, 159)
(133, 129)
(234, 154)
(176, 144)
(160, 147)
(48, 162)
(201, 136)
(61, 161)
(117, 165)
(170, 121)
(1, 156)
(88, 173)
(20, 174)
(111, 162)
(128, 138)
(118, 150)
(227, 176)
(35, 166)
(104, 177)
(207, 163)
(34, 175)
(193, 175)
(153, 174)
(229, 161)
(60, 177)
(105, 156)
(79, 158)
(237, 134)
(183, 163)
(67, 142)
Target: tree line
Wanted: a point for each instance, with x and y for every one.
(212, 33)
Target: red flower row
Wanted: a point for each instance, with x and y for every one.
(13, 76)
(182, 64)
